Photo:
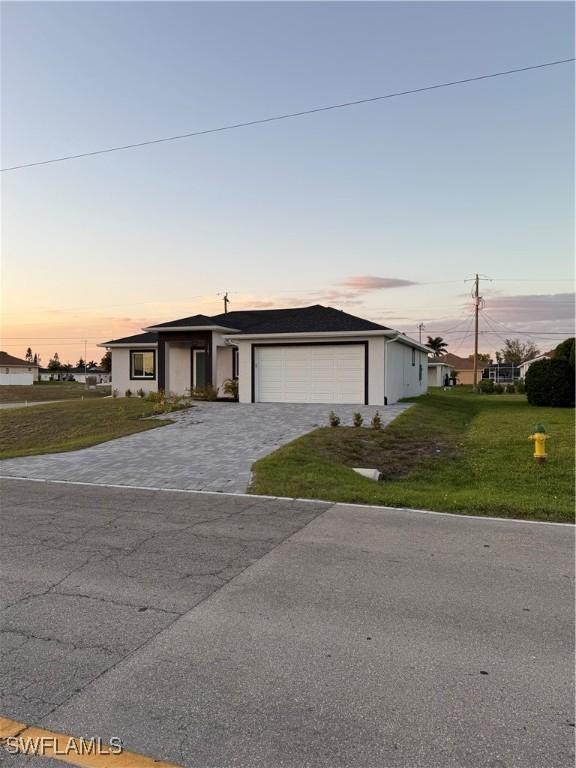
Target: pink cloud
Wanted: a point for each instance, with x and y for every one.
(367, 283)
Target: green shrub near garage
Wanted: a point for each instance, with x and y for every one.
(550, 383)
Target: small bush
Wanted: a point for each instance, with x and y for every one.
(128, 393)
(520, 387)
(333, 420)
(376, 422)
(498, 389)
(204, 393)
(486, 386)
(230, 388)
(357, 419)
(510, 389)
(550, 383)
(156, 397)
(140, 392)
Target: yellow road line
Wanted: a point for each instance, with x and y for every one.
(70, 749)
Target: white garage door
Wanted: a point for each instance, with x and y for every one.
(310, 374)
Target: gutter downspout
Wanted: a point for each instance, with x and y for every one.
(388, 341)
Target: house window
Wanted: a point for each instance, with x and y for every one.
(142, 365)
(413, 356)
(235, 362)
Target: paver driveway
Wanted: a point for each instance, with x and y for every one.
(209, 447)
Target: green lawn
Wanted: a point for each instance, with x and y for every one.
(68, 426)
(452, 451)
(57, 390)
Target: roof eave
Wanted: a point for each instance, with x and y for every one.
(174, 328)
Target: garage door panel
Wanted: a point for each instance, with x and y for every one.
(310, 374)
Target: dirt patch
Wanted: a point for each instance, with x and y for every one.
(380, 450)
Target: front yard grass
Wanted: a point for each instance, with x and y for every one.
(57, 390)
(72, 425)
(452, 451)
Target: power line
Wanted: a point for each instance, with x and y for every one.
(289, 115)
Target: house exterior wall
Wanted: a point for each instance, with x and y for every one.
(403, 372)
(121, 380)
(178, 368)
(223, 367)
(15, 376)
(376, 362)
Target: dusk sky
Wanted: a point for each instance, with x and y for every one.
(382, 209)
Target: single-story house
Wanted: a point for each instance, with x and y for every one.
(13, 370)
(75, 374)
(311, 354)
(523, 367)
(464, 366)
(438, 373)
(80, 375)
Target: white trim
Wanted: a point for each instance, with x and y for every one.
(125, 345)
(375, 507)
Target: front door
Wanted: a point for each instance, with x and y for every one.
(199, 368)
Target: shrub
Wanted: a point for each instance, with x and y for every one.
(550, 383)
(498, 389)
(510, 389)
(565, 351)
(333, 420)
(230, 388)
(204, 393)
(156, 397)
(140, 392)
(128, 393)
(520, 387)
(486, 386)
(376, 422)
(357, 419)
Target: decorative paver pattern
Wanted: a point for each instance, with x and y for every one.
(210, 447)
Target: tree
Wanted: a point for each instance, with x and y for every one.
(483, 357)
(565, 351)
(437, 345)
(29, 356)
(54, 363)
(516, 351)
(106, 362)
(80, 363)
(36, 360)
(92, 364)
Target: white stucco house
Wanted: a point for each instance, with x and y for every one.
(13, 370)
(523, 367)
(312, 354)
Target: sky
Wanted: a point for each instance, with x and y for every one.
(383, 209)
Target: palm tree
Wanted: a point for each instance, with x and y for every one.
(437, 345)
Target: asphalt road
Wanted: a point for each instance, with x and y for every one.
(218, 631)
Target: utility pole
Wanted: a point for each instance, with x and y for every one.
(226, 302)
(421, 327)
(476, 295)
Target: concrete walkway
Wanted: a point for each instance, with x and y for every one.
(209, 447)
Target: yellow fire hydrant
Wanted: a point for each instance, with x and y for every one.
(539, 439)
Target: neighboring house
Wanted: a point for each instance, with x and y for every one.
(523, 367)
(438, 372)
(75, 374)
(307, 355)
(464, 366)
(80, 375)
(13, 370)
(46, 374)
